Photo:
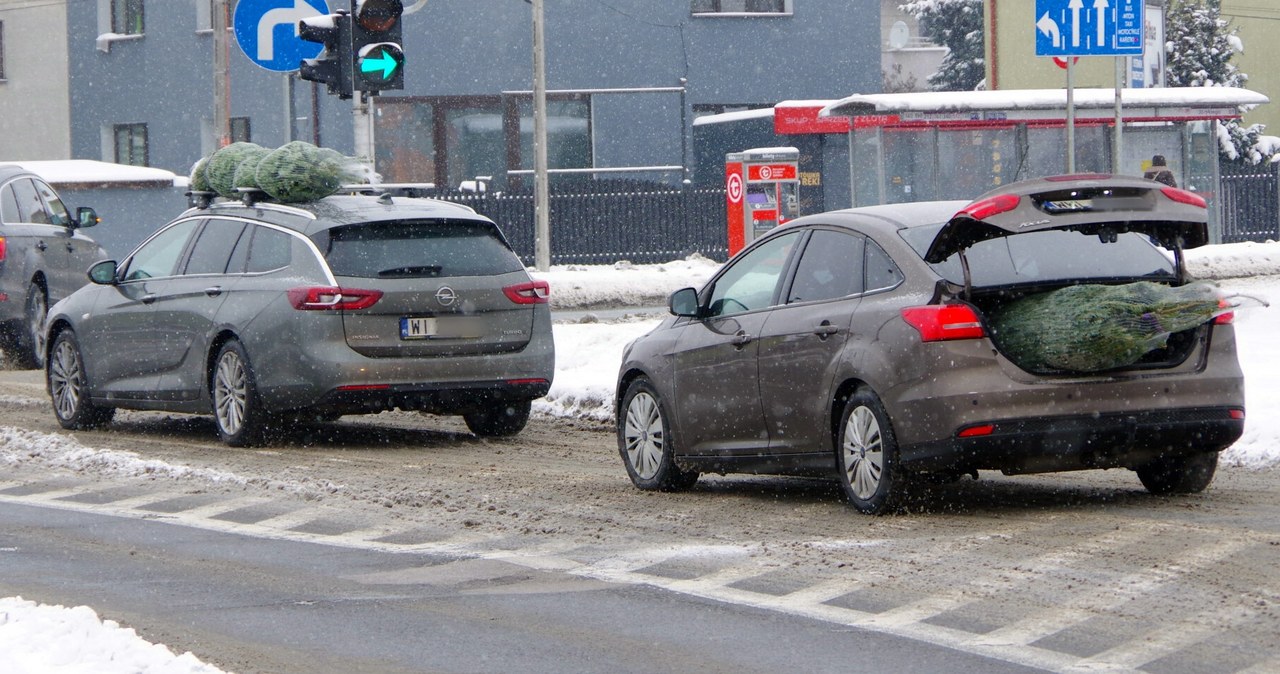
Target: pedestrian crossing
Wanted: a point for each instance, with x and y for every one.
(1082, 606)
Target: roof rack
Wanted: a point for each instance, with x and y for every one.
(393, 189)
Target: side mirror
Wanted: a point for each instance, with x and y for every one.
(103, 273)
(683, 302)
(86, 217)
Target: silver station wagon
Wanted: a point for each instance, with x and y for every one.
(261, 314)
(863, 344)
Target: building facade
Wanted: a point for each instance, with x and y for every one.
(34, 90)
(625, 78)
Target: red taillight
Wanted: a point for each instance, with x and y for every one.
(1236, 414)
(977, 431)
(522, 382)
(981, 210)
(941, 322)
(533, 292)
(331, 298)
(1225, 318)
(1185, 197)
(2, 248)
(364, 387)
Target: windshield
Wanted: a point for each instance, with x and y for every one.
(1050, 255)
(415, 249)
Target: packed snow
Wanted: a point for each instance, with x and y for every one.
(37, 638)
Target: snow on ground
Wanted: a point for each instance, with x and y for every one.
(37, 638)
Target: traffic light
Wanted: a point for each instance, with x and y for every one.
(333, 65)
(376, 56)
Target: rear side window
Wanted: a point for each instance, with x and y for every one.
(1050, 255)
(212, 249)
(417, 249)
(30, 207)
(830, 267)
(269, 250)
(9, 205)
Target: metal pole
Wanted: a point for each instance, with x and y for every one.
(541, 196)
(684, 130)
(1117, 157)
(290, 109)
(361, 117)
(221, 75)
(1071, 116)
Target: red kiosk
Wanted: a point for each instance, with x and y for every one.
(762, 191)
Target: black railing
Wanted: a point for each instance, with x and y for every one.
(602, 222)
(1251, 204)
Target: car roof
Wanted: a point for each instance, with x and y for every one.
(887, 216)
(8, 171)
(313, 216)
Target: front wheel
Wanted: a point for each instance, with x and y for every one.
(500, 420)
(237, 408)
(1188, 474)
(645, 441)
(867, 455)
(69, 387)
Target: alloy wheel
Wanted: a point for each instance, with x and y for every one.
(66, 380)
(230, 392)
(37, 307)
(643, 436)
(863, 452)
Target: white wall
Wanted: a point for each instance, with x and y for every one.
(35, 114)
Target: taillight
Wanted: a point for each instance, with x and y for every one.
(330, 298)
(1236, 413)
(1225, 318)
(981, 210)
(976, 431)
(533, 292)
(2, 248)
(1185, 197)
(941, 322)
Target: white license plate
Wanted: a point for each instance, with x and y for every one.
(432, 327)
(417, 328)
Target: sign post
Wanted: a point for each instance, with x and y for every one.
(1066, 28)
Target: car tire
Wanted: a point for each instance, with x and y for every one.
(1187, 474)
(500, 420)
(237, 409)
(29, 343)
(69, 387)
(645, 441)
(867, 456)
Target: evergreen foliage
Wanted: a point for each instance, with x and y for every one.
(956, 25)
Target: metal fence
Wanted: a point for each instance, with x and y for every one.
(602, 222)
(1251, 204)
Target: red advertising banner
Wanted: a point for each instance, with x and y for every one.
(771, 172)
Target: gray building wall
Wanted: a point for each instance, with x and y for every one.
(483, 47)
(34, 109)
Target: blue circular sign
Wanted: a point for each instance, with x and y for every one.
(267, 31)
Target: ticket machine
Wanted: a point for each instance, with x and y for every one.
(762, 191)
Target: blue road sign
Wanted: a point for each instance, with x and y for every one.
(267, 31)
(1088, 27)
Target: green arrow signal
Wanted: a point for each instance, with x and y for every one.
(385, 62)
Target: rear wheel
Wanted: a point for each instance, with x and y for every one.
(69, 387)
(1187, 474)
(237, 408)
(645, 441)
(500, 420)
(867, 455)
(28, 344)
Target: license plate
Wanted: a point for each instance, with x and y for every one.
(433, 327)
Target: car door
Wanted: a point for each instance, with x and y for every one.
(715, 370)
(122, 347)
(803, 338)
(186, 305)
(73, 251)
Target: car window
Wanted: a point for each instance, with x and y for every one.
(30, 207)
(882, 273)
(428, 248)
(213, 246)
(159, 255)
(9, 204)
(1048, 255)
(750, 281)
(57, 212)
(268, 250)
(830, 267)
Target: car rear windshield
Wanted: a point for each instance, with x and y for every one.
(1047, 256)
(417, 249)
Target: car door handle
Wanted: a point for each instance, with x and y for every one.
(213, 291)
(41, 246)
(825, 330)
(71, 248)
(741, 339)
(149, 298)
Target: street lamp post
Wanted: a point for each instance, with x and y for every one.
(541, 196)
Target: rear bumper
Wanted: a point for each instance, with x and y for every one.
(1048, 444)
(451, 398)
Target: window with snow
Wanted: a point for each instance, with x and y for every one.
(741, 7)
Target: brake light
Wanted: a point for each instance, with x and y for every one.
(329, 298)
(2, 248)
(533, 292)
(1185, 197)
(1225, 318)
(981, 210)
(942, 322)
(977, 431)
(1235, 413)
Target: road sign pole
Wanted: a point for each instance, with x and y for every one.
(1071, 116)
(541, 198)
(221, 75)
(1117, 158)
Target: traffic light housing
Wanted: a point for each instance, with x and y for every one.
(333, 65)
(377, 59)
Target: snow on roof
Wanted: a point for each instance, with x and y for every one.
(759, 113)
(89, 173)
(1043, 99)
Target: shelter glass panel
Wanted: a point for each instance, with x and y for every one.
(974, 161)
(909, 165)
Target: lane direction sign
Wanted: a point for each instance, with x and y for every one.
(267, 31)
(1089, 27)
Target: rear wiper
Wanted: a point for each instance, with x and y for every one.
(421, 270)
